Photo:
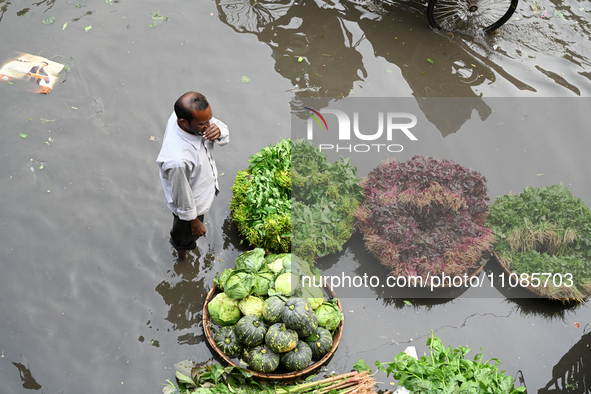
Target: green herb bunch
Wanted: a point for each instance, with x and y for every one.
(260, 204)
(545, 230)
(446, 370)
(324, 198)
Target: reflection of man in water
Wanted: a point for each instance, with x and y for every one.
(39, 70)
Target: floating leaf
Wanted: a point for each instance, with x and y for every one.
(389, 71)
(300, 59)
(430, 61)
(49, 20)
(87, 28)
(539, 174)
(245, 79)
(23, 135)
(41, 167)
(65, 24)
(407, 302)
(10, 83)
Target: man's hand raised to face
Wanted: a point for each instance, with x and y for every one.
(212, 132)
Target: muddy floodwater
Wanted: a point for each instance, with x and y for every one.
(92, 297)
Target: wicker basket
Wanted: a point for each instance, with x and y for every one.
(290, 375)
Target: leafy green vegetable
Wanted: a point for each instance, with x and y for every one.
(329, 315)
(239, 284)
(446, 370)
(545, 230)
(251, 261)
(224, 310)
(325, 196)
(251, 305)
(261, 205)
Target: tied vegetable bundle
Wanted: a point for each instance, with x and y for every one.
(426, 216)
(325, 196)
(291, 198)
(215, 379)
(545, 232)
(267, 318)
(260, 205)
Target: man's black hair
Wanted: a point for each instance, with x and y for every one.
(197, 101)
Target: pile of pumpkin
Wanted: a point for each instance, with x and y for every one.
(267, 318)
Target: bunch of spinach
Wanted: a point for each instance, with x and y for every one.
(545, 230)
(261, 206)
(324, 198)
(446, 370)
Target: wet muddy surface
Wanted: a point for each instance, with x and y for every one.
(92, 297)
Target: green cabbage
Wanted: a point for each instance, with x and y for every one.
(224, 310)
(275, 262)
(263, 281)
(287, 284)
(251, 261)
(314, 294)
(221, 280)
(239, 285)
(299, 267)
(329, 316)
(251, 305)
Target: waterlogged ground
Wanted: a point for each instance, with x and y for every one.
(92, 298)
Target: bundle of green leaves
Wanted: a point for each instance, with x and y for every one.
(324, 198)
(446, 370)
(426, 217)
(545, 230)
(292, 183)
(261, 206)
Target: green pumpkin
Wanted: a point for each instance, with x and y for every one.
(250, 330)
(310, 327)
(295, 313)
(281, 339)
(263, 359)
(245, 355)
(298, 358)
(320, 342)
(272, 309)
(227, 340)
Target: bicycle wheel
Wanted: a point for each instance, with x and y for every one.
(470, 15)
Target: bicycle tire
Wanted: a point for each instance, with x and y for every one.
(464, 15)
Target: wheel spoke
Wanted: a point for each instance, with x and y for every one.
(471, 15)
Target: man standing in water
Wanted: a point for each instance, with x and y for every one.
(187, 168)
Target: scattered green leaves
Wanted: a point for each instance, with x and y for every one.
(49, 20)
(430, 61)
(407, 302)
(361, 366)
(23, 135)
(65, 25)
(157, 17)
(87, 28)
(446, 370)
(244, 79)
